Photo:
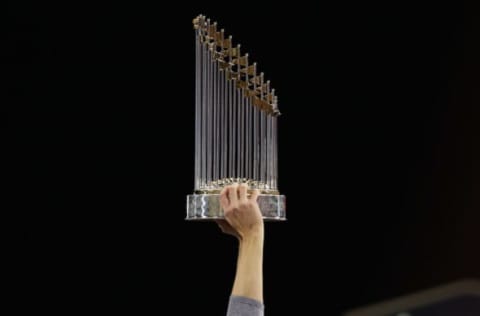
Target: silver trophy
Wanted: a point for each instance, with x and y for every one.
(236, 114)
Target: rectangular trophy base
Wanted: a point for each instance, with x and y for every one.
(207, 207)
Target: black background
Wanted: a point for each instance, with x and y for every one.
(378, 153)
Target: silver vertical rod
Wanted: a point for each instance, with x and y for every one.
(209, 118)
(214, 113)
(203, 137)
(250, 127)
(262, 148)
(250, 141)
(248, 157)
(239, 130)
(269, 152)
(220, 125)
(275, 153)
(197, 108)
(221, 121)
(275, 146)
(236, 143)
(230, 113)
(230, 128)
(248, 151)
(244, 153)
(217, 92)
(272, 153)
(224, 126)
(269, 145)
(262, 144)
(234, 129)
(254, 142)
(264, 139)
(217, 124)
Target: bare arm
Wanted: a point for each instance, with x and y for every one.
(244, 220)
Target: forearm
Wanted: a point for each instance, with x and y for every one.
(249, 275)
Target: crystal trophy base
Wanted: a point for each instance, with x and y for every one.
(207, 207)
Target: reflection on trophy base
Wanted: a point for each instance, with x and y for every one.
(207, 207)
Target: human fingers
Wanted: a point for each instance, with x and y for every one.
(224, 200)
(242, 192)
(232, 194)
(254, 195)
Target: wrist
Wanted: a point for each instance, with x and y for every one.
(252, 238)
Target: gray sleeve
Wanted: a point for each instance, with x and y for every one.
(244, 306)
